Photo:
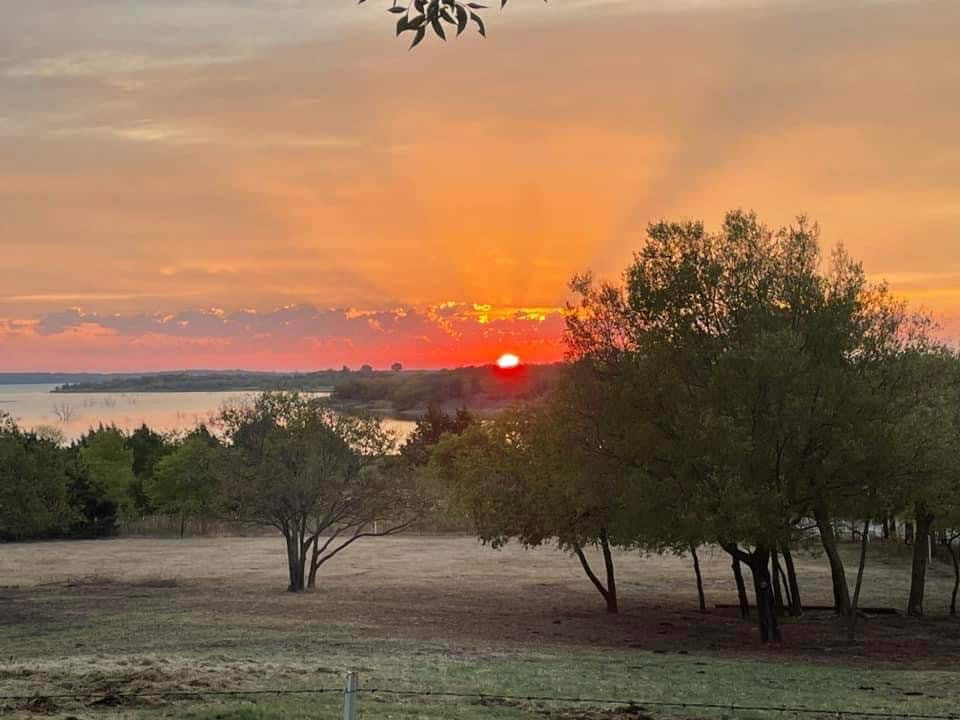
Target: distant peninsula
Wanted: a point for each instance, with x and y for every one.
(395, 393)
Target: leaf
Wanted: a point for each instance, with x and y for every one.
(420, 35)
(462, 19)
(479, 21)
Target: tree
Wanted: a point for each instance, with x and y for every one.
(532, 475)
(396, 367)
(148, 448)
(185, 482)
(323, 480)
(109, 466)
(754, 387)
(34, 487)
(933, 443)
(430, 429)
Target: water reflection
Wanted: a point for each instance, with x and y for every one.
(73, 414)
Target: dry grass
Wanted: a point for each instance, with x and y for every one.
(131, 615)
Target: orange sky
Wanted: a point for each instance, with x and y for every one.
(194, 183)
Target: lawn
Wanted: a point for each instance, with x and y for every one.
(167, 619)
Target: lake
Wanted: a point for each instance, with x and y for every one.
(74, 413)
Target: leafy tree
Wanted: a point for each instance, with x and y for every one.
(34, 489)
(323, 480)
(534, 475)
(754, 386)
(429, 430)
(185, 482)
(396, 367)
(930, 443)
(148, 448)
(96, 512)
(109, 467)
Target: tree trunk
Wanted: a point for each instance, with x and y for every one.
(696, 570)
(955, 556)
(796, 607)
(607, 590)
(183, 524)
(296, 560)
(759, 563)
(828, 538)
(921, 554)
(314, 563)
(852, 619)
(778, 604)
(741, 587)
(612, 605)
(886, 527)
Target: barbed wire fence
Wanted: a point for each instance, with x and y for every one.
(353, 694)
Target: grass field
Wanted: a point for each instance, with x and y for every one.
(111, 618)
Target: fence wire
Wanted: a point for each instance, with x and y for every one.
(490, 697)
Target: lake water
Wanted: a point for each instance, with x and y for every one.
(74, 413)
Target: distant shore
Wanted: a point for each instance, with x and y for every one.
(399, 394)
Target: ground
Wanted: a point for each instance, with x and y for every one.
(107, 619)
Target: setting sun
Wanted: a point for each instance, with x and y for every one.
(508, 360)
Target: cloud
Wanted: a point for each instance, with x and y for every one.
(290, 337)
(172, 154)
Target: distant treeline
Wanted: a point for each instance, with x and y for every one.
(47, 378)
(394, 391)
(205, 381)
(478, 388)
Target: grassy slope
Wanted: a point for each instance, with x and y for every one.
(138, 633)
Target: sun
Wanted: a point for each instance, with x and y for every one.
(507, 361)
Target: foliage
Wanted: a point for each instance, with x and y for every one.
(419, 16)
(430, 429)
(734, 389)
(109, 466)
(535, 475)
(185, 482)
(34, 490)
(323, 479)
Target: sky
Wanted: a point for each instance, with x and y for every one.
(282, 184)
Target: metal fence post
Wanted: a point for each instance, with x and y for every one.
(350, 697)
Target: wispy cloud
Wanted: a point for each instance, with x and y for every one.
(297, 335)
(164, 155)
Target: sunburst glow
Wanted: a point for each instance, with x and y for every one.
(507, 361)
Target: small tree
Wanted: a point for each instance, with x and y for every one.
(323, 480)
(109, 466)
(185, 483)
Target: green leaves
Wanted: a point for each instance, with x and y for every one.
(419, 16)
